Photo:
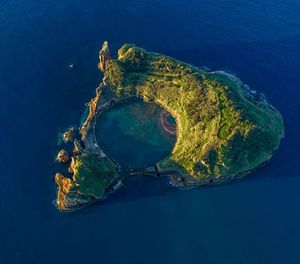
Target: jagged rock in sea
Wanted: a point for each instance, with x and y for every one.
(68, 136)
(63, 156)
(104, 56)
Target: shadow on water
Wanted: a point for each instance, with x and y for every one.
(141, 187)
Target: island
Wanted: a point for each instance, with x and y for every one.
(224, 129)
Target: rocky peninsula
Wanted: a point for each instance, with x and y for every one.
(224, 129)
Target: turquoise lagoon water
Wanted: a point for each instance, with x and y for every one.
(132, 134)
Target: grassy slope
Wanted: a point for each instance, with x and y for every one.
(93, 175)
(221, 131)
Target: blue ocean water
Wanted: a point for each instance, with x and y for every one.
(255, 220)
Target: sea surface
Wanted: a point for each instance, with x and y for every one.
(255, 220)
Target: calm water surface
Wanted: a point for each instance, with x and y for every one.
(255, 220)
(133, 135)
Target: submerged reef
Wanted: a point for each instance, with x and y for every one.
(223, 128)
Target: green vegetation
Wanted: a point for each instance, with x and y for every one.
(93, 175)
(221, 130)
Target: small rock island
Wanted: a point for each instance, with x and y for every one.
(224, 130)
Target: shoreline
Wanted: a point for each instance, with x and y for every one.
(208, 122)
(165, 124)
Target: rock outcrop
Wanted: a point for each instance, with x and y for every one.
(63, 156)
(104, 56)
(65, 195)
(68, 136)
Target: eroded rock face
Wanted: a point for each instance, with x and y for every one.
(92, 176)
(63, 156)
(104, 56)
(65, 196)
(90, 120)
(68, 136)
(68, 194)
(170, 128)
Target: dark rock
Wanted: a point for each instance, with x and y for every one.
(68, 136)
(63, 156)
